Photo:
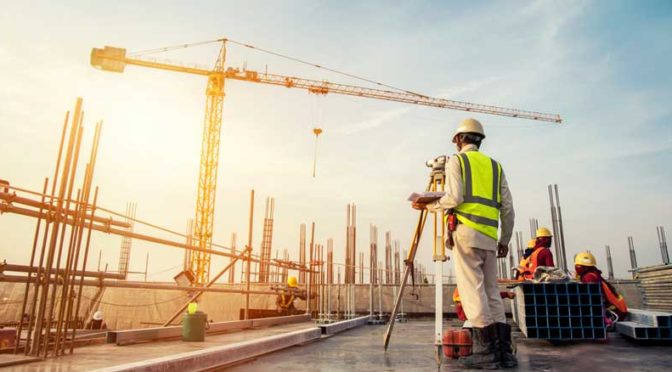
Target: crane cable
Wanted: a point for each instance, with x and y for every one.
(249, 46)
(323, 67)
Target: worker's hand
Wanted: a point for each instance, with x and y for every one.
(419, 206)
(502, 250)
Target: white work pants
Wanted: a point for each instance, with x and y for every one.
(476, 272)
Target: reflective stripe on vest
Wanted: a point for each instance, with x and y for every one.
(481, 178)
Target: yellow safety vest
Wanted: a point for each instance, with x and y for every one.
(481, 181)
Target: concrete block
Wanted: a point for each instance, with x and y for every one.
(650, 318)
(267, 322)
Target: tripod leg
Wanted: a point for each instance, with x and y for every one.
(438, 307)
(404, 278)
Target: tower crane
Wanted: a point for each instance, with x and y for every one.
(116, 59)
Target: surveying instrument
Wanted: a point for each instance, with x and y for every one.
(436, 184)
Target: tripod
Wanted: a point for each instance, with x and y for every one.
(437, 180)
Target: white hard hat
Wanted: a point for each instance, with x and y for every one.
(98, 315)
(469, 126)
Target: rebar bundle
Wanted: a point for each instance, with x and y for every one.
(266, 242)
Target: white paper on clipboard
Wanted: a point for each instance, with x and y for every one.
(426, 197)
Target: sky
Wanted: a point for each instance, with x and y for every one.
(602, 65)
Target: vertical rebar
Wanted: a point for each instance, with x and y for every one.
(563, 254)
(302, 253)
(50, 252)
(512, 263)
(662, 241)
(610, 266)
(232, 270)
(338, 295)
(311, 277)
(61, 242)
(373, 253)
(266, 242)
(73, 263)
(351, 245)
(397, 263)
(388, 257)
(84, 263)
(249, 256)
(534, 225)
(30, 271)
(186, 263)
(45, 237)
(380, 293)
(633, 256)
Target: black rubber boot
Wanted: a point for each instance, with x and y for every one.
(485, 349)
(508, 357)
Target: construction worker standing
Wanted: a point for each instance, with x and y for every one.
(478, 194)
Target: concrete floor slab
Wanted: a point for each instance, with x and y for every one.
(411, 349)
(110, 355)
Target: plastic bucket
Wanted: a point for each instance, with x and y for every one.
(193, 326)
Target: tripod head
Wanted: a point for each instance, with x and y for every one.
(438, 167)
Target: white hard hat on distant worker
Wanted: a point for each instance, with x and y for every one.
(98, 315)
(469, 126)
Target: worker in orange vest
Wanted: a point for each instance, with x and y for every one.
(522, 267)
(587, 272)
(540, 255)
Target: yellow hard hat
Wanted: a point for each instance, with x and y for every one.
(469, 126)
(543, 232)
(292, 282)
(531, 243)
(192, 307)
(585, 259)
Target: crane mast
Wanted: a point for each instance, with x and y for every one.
(207, 178)
(115, 60)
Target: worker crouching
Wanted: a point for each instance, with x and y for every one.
(587, 272)
(97, 321)
(287, 295)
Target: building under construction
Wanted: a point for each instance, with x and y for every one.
(277, 308)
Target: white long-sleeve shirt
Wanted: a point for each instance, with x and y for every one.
(454, 197)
